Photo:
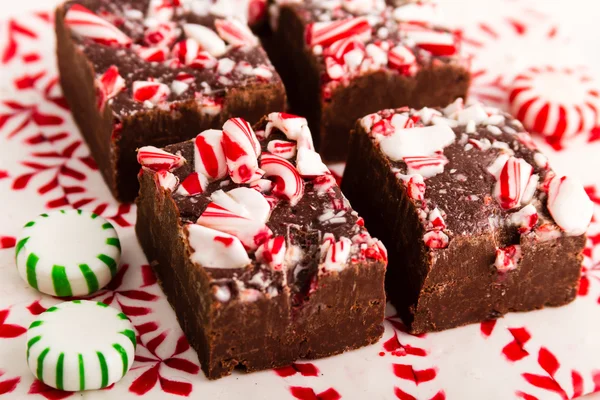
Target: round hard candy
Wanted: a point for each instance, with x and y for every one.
(80, 345)
(68, 253)
(556, 102)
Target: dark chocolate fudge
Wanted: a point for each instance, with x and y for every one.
(156, 72)
(343, 59)
(476, 222)
(257, 249)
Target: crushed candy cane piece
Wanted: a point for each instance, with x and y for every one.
(272, 252)
(166, 180)
(86, 24)
(195, 183)
(157, 159)
(287, 181)
(214, 249)
(569, 205)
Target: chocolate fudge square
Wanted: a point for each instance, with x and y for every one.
(343, 59)
(154, 73)
(476, 222)
(257, 249)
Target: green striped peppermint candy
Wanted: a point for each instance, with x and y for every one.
(68, 253)
(80, 345)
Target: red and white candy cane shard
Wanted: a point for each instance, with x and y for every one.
(557, 102)
(525, 219)
(401, 58)
(153, 54)
(209, 157)
(154, 92)
(335, 70)
(569, 205)
(292, 126)
(340, 48)
(436, 220)
(272, 253)
(161, 35)
(166, 180)
(262, 185)
(426, 166)
(512, 182)
(157, 159)
(186, 51)
(324, 183)
(86, 24)
(326, 33)
(241, 149)
(235, 32)
(250, 232)
(245, 202)
(193, 184)
(336, 252)
(436, 240)
(415, 186)
(282, 148)
(207, 38)
(507, 258)
(185, 78)
(204, 60)
(214, 249)
(309, 164)
(288, 182)
(111, 83)
(437, 43)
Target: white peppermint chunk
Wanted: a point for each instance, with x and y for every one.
(208, 39)
(215, 249)
(569, 205)
(420, 141)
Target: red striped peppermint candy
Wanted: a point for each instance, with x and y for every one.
(151, 91)
(166, 180)
(512, 182)
(436, 240)
(108, 85)
(438, 43)
(415, 186)
(241, 149)
(507, 258)
(292, 126)
(288, 182)
(157, 159)
(556, 102)
(203, 60)
(235, 32)
(324, 182)
(525, 219)
(336, 253)
(340, 48)
(262, 185)
(186, 51)
(152, 54)
(215, 249)
(326, 33)
(88, 25)
(195, 183)
(207, 38)
(282, 148)
(426, 166)
(402, 59)
(209, 157)
(245, 202)
(161, 35)
(272, 253)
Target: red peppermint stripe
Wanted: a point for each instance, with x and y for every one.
(511, 182)
(186, 51)
(340, 48)
(193, 184)
(437, 43)
(153, 54)
(235, 32)
(85, 23)
(166, 180)
(162, 35)
(401, 58)
(288, 182)
(272, 252)
(204, 60)
(209, 158)
(427, 166)
(241, 149)
(282, 148)
(507, 258)
(111, 83)
(436, 240)
(157, 159)
(151, 91)
(326, 33)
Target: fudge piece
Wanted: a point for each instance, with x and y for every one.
(476, 222)
(257, 249)
(343, 59)
(156, 72)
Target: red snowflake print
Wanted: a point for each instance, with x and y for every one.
(119, 297)
(8, 385)
(515, 350)
(487, 327)
(9, 331)
(395, 348)
(15, 30)
(37, 387)
(304, 369)
(402, 395)
(417, 376)
(593, 194)
(36, 308)
(550, 364)
(27, 115)
(147, 380)
(306, 393)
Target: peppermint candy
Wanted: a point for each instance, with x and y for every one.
(88, 25)
(209, 157)
(166, 180)
(421, 13)
(151, 92)
(324, 183)
(282, 148)
(334, 253)
(161, 36)
(558, 103)
(436, 240)
(415, 186)
(241, 149)
(235, 216)
(326, 33)
(272, 253)
(309, 163)
(569, 205)
(235, 32)
(206, 38)
(507, 258)
(438, 43)
(153, 54)
(401, 58)
(186, 51)
(195, 183)
(512, 182)
(292, 126)
(157, 159)
(215, 249)
(525, 219)
(426, 166)
(287, 181)
(419, 141)
(110, 83)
